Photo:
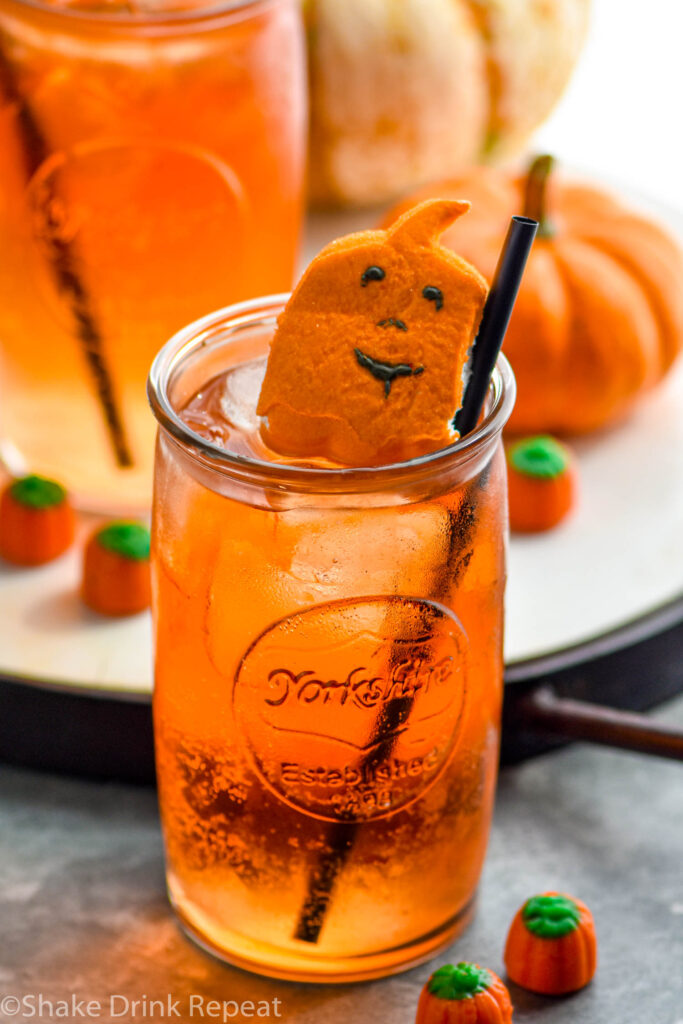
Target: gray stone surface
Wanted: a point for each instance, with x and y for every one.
(83, 912)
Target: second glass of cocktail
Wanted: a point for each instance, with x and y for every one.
(150, 154)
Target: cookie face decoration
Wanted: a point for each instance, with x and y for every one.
(367, 361)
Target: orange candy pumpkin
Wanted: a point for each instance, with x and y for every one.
(551, 946)
(599, 317)
(366, 364)
(116, 575)
(464, 993)
(37, 523)
(542, 483)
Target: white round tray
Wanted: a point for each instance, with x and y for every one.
(618, 559)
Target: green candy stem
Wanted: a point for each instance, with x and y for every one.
(37, 492)
(459, 981)
(129, 540)
(551, 917)
(541, 457)
(536, 195)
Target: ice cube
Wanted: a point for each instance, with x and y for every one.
(240, 395)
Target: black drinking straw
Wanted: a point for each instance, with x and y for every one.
(64, 267)
(495, 319)
(341, 836)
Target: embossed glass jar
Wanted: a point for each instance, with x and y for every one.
(150, 154)
(328, 680)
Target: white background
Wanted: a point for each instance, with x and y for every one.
(621, 117)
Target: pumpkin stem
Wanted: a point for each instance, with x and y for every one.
(37, 492)
(459, 981)
(542, 457)
(551, 916)
(127, 539)
(536, 194)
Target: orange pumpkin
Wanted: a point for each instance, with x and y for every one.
(116, 576)
(464, 994)
(599, 318)
(551, 946)
(542, 483)
(37, 522)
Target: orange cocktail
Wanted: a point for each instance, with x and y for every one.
(150, 169)
(328, 674)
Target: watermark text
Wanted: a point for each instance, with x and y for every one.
(37, 1006)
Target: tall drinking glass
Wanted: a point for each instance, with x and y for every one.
(328, 673)
(150, 170)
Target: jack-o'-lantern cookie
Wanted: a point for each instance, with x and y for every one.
(366, 365)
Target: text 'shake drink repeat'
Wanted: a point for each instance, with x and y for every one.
(150, 170)
(328, 636)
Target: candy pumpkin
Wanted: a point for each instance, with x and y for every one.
(116, 576)
(366, 364)
(464, 993)
(542, 483)
(405, 92)
(599, 318)
(551, 946)
(37, 522)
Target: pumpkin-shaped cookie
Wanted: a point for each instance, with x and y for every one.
(542, 483)
(37, 522)
(551, 946)
(599, 317)
(116, 575)
(366, 365)
(464, 993)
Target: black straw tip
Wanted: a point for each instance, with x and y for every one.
(518, 219)
(495, 319)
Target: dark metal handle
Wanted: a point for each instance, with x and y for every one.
(544, 712)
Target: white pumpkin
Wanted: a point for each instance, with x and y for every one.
(407, 90)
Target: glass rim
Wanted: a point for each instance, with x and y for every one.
(153, 19)
(200, 333)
